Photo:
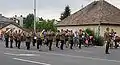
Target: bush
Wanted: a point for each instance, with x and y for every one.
(99, 40)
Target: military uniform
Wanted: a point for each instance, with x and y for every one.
(11, 40)
(6, 40)
(50, 35)
(80, 39)
(62, 39)
(57, 39)
(71, 40)
(66, 39)
(108, 39)
(39, 41)
(34, 39)
(28, 41)
(15, 38)
(19, 40)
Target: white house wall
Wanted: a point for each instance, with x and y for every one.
(94, 27)
(76, 28)
(116, 29)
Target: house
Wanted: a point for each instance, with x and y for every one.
(96, 13)
(7, 24)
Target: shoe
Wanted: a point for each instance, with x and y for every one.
(107, 53)
(40, 50)
(11, 47)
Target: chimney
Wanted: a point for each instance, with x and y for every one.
(15, 15)
(21, 16)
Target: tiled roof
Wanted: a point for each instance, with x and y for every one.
(94, 13)
(5, 21)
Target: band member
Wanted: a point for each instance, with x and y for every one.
(62, 39)
(71, 39)
(39, 41)
(11, 40)
(6, 35)
(45, 38)
(28, 41)
(50, 39)
(76, 38)
(15, 38)
(107, 39)
(34, 38)
(66, 38)
(57, 38)
(19, 39)
(80, 38)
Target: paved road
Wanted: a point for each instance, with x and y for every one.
(85, 56)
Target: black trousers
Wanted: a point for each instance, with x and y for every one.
(116, 45)
(11, 43)
(28, 45)
(71, 44)
(7, 42)
(57, 42)
(50, 44)
(80, 43)
(19, 43)
(16, 43)
(39, 43)
(62, 44)
(34, 41)
(46, 42)
(107, 47)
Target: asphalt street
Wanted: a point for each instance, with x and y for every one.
(84, 56)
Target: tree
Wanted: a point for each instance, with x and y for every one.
(66, 13)
(29, 21)
(46, 24)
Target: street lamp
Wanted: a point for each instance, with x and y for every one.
(34, 16)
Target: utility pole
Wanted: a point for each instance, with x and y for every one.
(34, 16)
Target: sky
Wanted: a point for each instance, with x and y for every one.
(48, 9)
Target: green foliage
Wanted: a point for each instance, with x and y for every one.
(47, 25)
(89, 32)
(99, 40)
(66, 13)
(29, 21)
(40, 25)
